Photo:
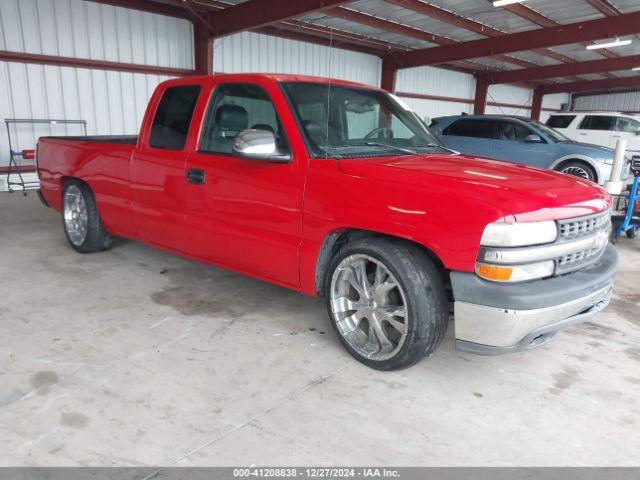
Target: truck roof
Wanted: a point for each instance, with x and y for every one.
(275, 77)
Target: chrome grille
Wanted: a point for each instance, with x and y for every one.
(576, 228)
(567, 260)
(580, 227)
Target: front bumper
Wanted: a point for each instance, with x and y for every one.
(492, 319)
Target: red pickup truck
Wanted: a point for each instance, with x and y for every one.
(339, 190)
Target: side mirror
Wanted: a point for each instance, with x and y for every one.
(638, 132)
(259, 144)
(533, 139)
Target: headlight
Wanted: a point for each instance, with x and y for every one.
(515, 273)
(506, 234)
(498, 244)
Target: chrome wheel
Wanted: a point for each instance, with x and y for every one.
(577, 171)
(75, 215)
(369, 307)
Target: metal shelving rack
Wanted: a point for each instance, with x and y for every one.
(15, 179)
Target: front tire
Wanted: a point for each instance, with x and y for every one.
(578, 169)
(387, 302)
(82, 224)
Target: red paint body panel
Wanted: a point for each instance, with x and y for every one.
(269, 220)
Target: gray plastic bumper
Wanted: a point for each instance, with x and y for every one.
(493, 318)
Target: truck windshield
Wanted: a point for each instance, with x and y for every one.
(348, 122)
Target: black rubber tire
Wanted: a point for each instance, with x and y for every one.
(428, 307)
(632, 233)
(579, 164)
(97, 238)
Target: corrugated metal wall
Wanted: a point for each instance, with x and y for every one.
(617, 102)
(110, 102)
(554, 101)
(446, 83)
(509, 94)
(436, 81)
(252, 52)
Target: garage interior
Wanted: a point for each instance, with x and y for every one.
(138, 357)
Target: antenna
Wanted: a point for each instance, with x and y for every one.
(326, 145)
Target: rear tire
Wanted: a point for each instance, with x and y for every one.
(82, 224)
(387, 302)
(578, 169)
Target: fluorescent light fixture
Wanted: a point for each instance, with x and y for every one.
(500, 3)
(616, 43)
(637, 69)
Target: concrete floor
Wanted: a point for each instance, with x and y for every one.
(138, 357)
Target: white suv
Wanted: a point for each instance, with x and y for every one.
(600, 128)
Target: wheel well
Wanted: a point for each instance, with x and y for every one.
(334, 241)
(578, 160)
(65, 179)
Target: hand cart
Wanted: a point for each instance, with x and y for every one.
(630, 224)
(17, 173)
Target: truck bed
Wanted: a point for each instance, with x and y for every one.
(124, 139)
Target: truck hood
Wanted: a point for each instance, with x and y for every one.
(524, 192)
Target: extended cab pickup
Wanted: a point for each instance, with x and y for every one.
(339, 190)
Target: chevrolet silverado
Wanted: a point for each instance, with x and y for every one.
(339, 190)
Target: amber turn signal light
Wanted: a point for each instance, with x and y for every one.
(494, 272)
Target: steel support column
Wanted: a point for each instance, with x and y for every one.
(536, 104)
(389, 74)
(482, 88)
(202, 49)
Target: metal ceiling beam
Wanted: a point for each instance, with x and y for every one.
(340, 38)
(407, 31)
(532, 16)
(467, 24)
(388, 26)
(316, 39)
(627, 24)
(564, 70)
(609, 85)
(604, 7)
(199, 14)
(256, 13)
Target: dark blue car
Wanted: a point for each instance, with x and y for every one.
(522, 140)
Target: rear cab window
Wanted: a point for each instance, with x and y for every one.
(598, 122)
(560, 121)
(172, 120)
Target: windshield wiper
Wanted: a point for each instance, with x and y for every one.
(379, 144)
(435, 145)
